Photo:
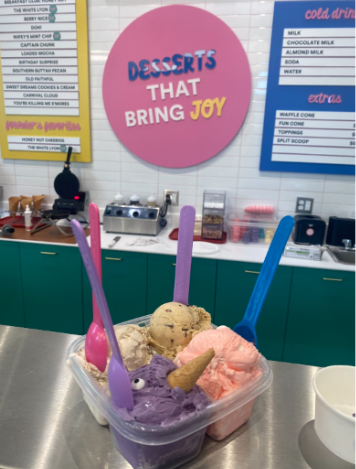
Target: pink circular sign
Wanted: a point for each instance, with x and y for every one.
(176, 86)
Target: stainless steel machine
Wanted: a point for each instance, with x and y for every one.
(133, 219)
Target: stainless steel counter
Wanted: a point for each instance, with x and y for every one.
(45, 424)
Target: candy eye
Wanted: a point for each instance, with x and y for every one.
(137, 384)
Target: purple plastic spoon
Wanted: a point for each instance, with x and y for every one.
(184, 255)
(119, 381)
(96, 347)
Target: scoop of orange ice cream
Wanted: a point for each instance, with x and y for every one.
(235, 363)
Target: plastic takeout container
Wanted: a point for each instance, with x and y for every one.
(334, 388)
(153, 446)
(251, 228)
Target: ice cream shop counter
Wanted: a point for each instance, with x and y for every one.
(138, 277)
(45, 422)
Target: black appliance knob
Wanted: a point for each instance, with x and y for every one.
(135, 214)
(151, 215)
(119, 213)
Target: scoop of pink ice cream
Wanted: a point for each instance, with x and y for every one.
(235, 363)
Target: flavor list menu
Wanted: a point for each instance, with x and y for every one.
(44, 64)
(44, 143)
(310, 108)
(39, 57)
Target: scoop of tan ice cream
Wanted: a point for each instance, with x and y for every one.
(101, 377)
(133, 343)
(173, 325)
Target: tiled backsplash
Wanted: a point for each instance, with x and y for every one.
(114, 169)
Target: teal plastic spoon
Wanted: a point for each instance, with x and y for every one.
(247, 327)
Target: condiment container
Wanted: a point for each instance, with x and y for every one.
(197, 226)
(119, 199)
(213, 214)
(135, 200)
(28, 218)
(151, 201)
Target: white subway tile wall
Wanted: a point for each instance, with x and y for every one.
(236, 169)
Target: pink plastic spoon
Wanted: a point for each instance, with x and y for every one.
(96, 347)
(184, 254)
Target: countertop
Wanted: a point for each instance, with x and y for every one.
(49, 235)
(228, 251)
(45, 424)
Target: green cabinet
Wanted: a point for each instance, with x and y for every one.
(321, 322)
(124, 283)
(234, 286)
(161, 273)
(12, 309)
(308, 316)
(52, 287)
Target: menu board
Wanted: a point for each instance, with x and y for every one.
(309, 121)
(44, 96)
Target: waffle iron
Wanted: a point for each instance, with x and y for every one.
(70, 200)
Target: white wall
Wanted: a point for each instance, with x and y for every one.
(235, 169)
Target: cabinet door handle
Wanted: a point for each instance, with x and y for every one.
(113, 258)
(49, 253)
(333, 279)
(174, 264)
(251, 272)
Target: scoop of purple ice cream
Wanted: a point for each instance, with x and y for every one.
(155, 402)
